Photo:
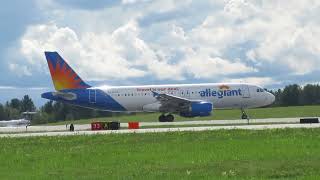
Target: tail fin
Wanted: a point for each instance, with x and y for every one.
(62, 74)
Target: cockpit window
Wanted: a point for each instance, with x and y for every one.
(260, 90)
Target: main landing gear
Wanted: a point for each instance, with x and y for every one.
(166, 118)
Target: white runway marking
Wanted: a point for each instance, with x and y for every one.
(159, 130)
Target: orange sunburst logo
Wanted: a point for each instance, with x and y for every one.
(224, 87)
(63, 76)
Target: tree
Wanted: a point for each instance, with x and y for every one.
(60, 110)
(48, 107)
(12, 113)
(278, 95)
(15, 103)
(291, 95)
(310, 94)
(27, 104)
(3, 115)
(40, 118)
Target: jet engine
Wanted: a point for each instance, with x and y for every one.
(199, 108)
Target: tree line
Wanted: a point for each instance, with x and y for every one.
(13, 109)
(48, 113)
(291, 95)
(56, 111)
(295, 95)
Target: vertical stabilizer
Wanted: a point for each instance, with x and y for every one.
(63, 76)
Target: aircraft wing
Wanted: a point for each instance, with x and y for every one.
(170, 103)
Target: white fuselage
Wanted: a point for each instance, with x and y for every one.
(221, 95)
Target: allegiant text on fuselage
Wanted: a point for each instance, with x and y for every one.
(220, 93)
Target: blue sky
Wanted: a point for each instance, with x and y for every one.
(270, 43)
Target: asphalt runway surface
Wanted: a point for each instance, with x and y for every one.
(149, 127)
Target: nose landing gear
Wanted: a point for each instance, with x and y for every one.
(244, 115)
(166, 118)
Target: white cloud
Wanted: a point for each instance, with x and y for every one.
(120, 55)
(133, 1)
(20, 70)
(22, 88)
(261, 81)
(201, 65)
(7, 87)
(184, 38)
(93, 55)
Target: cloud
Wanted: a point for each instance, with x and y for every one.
(261, 81)
(121, 54)
(7, 87)
(93, 55)
(201, 65)
(21, 70)
(134, 1)
(24, 88)
(272, 43)
(180, 41)
(88, 5)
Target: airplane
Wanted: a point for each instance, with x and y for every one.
(15, 123)
(186, 100)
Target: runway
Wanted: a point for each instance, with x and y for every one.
(162, 130)
(84, 127)
(255, 124)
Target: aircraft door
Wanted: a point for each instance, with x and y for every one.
(245, 91)
(184, 93)
(92, 95)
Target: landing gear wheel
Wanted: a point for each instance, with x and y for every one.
(162, 118)
(244, 116)
(170, 118)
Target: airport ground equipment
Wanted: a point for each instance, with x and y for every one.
(96, 126)
(112, 125)
(309, 120)
(133, 125)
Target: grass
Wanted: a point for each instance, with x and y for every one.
(273, 112)
(238, 154)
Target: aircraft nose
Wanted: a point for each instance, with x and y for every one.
(271, 98)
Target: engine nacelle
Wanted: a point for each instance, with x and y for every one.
(198, 109)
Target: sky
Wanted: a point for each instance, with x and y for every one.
(271, 43)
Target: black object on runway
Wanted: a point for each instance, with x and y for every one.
(309, 120)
